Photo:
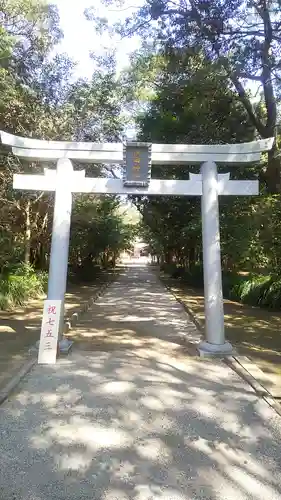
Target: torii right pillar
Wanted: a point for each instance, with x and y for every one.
(214, 342)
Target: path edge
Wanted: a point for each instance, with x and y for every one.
(235, 362)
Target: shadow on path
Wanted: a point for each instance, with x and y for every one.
(20, 329)
(138, 422)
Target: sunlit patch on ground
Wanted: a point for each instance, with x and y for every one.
(113, 425)
(254, 331)
(140, 421)
(20, 329)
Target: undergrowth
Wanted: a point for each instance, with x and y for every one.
(254, 289)
(19, 284)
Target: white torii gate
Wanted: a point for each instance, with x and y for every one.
(209, 185)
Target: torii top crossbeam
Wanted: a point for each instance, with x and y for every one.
(172, 154)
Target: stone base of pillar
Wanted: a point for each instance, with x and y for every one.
(64, 346)
(206, 349)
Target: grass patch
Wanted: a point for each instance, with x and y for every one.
(20, 284)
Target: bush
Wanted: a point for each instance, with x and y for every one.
(20, 284)
(248, 290)
(194, 276)
(169, 268)
(179, 272)
(255, 290)
(272, 295)
(84, 274)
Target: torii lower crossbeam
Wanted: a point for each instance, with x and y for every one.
(157, 187)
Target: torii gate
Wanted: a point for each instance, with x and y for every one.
(137, 158)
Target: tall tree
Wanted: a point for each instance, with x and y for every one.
(38, 99)
(30, 29)
(243, 37)
(193, 104)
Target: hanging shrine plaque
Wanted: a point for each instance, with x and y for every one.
(137, 164)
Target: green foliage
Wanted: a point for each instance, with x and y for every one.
(194, 105)
(241, 40)
(192, 276)
(38, 98)
(256, 290)
(189, 83)
(20, 284)
(98, 233)
(191, 95)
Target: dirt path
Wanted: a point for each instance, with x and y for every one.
(20, 328)
(255, 332)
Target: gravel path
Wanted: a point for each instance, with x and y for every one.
(137, 419)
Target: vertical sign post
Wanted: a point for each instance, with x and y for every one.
(49, 332)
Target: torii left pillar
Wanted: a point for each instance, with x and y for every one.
(63, 181)
(60, 236)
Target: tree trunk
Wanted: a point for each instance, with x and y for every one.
(169, 257)
(273, 176)
(114, 258)
(191, 257)
(41, 262)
